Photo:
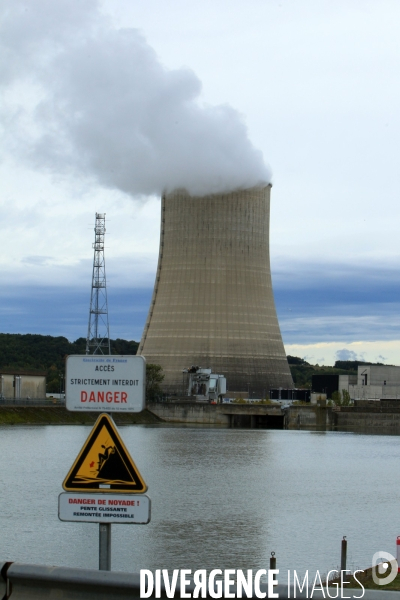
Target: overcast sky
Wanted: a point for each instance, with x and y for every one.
(105, 103)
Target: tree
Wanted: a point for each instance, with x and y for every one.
(44, 352)
(154, 378)
(337, 398)
(346, 400)
(295, 360)
(341, 399)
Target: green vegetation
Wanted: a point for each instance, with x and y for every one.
(35, 352)
(353, 364)
(265, 401)
(59, 415)
(47, 353)
(366, 579)
(300, 403)
(341, 399)
(154, 379)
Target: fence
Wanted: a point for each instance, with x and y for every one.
(36, 582)
(32, 401)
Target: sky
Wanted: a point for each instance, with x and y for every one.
(104, 104)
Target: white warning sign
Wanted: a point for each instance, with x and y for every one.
(104, 508)
(105, 383)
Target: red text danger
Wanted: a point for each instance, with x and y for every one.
(110, 397)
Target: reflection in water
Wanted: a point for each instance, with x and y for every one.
(211, 503)
(220, 498)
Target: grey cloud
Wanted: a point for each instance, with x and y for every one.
(37, 260)
(98, 103)
(337, 302)
(346, 355)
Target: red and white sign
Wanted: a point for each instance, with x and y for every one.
(105, 383)
(104, 508)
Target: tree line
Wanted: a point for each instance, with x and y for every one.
(34, 352)
(302, 371)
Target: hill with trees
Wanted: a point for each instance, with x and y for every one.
(35, 352)
(303, 371)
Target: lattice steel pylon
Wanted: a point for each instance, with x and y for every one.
(98, 336)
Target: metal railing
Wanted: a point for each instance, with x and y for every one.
(31, 402)
(27, 581)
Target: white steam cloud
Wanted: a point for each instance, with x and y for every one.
(83, 97)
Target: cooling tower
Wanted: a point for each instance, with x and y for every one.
(213, 304)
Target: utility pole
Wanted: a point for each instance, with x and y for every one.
(98, 336)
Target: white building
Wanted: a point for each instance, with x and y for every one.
(374, 382)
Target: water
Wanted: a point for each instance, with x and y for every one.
(221, 498)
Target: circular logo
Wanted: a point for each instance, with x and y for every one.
(385, 564)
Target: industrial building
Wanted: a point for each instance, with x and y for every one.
(372, 382)
(376, 382)
(328, 384)
(213, 303)
(22, 384)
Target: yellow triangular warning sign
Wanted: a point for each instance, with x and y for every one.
(104, 464)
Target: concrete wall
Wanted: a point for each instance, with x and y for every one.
(213, 304)
(239, 415)
(345, 381)
(310, 418)
(205, 414)
(374, 417)
(217, 414)
(373, 392)
(368, 420)
(370, 416)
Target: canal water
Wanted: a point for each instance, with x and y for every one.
(221, 498)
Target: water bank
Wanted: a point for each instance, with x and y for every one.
(59, 415)
(246, 416)
(374, 417)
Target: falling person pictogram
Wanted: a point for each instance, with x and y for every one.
(104, 463)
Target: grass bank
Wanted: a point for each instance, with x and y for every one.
(59, 415)
(368, 582)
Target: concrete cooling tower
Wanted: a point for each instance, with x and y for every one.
(213, 304)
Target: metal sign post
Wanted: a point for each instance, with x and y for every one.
(105, 547)
(105, 480)
(104, 509)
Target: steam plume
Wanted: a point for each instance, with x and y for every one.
(86, 98)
